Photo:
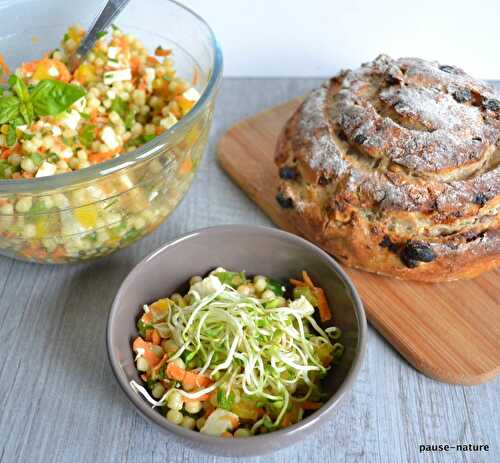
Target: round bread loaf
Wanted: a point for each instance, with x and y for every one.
(394, 168)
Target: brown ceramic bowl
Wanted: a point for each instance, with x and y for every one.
(257, 250)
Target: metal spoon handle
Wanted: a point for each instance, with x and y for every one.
(103, 20)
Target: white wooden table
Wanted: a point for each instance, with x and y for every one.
(59, 401)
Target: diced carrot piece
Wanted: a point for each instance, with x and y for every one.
(149, 355)
(189, 379)
(4, 67)
(155, 337)
(152, 60)
(311, 405)
(324, 311)
(175, 372)
(162, 51)
(135, 62)
(186, 166)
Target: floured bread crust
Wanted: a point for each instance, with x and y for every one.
(394, 168)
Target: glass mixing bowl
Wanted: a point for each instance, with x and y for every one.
(97, 210)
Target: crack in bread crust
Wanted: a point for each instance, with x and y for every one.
(404, 150)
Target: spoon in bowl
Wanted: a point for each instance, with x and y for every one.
(103, 20)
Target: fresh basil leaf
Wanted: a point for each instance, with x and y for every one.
(101, 34)
(21, 90)
(26, 110)
(52, 97)
(11, 138)
(17, 121)
(9, 108)
(119, 106)
(66, 37)
(85, 116)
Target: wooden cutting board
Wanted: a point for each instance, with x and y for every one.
(448, 331)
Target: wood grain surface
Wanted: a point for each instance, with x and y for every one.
(59, 401)
(449, 331)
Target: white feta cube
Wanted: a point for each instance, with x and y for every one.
(66, 153)
(207, 286)
(168, 121)
(56, 131)
(191, 94)
(46, 169)
(80, 104)
(71, 119)
(113, 52)
(108, 136)
(119, 75)
(150, 75)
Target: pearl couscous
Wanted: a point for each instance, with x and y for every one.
(53, 121)
(118, 98)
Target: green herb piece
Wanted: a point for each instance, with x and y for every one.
(5, 169)
(52, 97)
(268, 423)
(27, 136)
(148, 137)
(305, 291)
(85, 116)
(52, 157)
(91, 237)
(11, 137)
(131, 235)
(119, 106)
(87, 135)
(101, 34)
(129, 120)
(142, 327)
(224, 401)
(233, 279)
(273, 304)
(66, 37)
(160, 374)
(18, 86)
(9, 108)
(275, 286)
(190, 356)
(36, 158)
(38, 207)
(115, 27)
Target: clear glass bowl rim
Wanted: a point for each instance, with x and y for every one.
(138, 155)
